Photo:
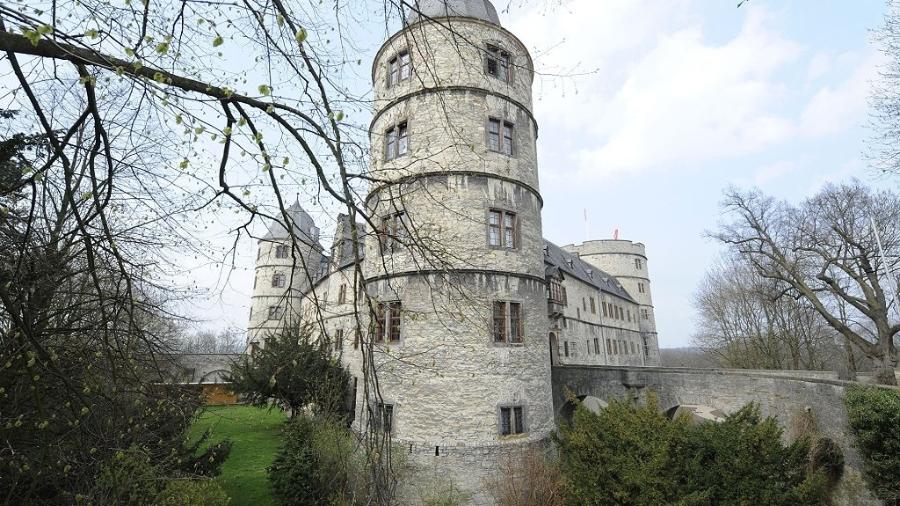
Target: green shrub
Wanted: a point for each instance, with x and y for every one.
(316, 463)
(874, 415)
(203, 492)
(634, 455)
(130, 478)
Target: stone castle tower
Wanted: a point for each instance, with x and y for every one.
(284, 269)
(464, 303)
(627, 262)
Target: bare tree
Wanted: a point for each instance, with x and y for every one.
(826, 251)
(211, 341)
(748, 321)
(884, 102)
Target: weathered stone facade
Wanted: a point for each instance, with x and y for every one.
(460, 237)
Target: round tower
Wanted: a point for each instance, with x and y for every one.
(627, 262)
(284, 270)
(456, 269)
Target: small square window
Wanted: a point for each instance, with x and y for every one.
(278, 280)
(275, 312)
(512, 420)
(281, 251)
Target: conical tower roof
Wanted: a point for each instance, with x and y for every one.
(478, 9)
(304, 226)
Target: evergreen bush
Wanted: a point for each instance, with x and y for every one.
(874, 415)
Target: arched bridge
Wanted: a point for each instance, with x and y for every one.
(791, 396)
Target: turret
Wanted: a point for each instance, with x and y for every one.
(456, 268)
(627, 262)
(286, 265)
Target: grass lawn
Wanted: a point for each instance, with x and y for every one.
(254, 433)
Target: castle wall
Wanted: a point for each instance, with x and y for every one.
(627, 262)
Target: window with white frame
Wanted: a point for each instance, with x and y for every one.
(508, 325)
(512, 420)
(502, 229)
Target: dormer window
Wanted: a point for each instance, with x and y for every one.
(399, 68)
(396, 141)
(497, 63)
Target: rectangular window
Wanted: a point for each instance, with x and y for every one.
(357, 337)
(587, 345)
(640, 288)
(629, 316)
(342, 294)
(631, 343)
(497, 63)
(387, 321)
(399, 68)
(278, 280)
(615, 347)
(500, 136)
(396, 141)
(645, 313)
(384, 417)
(593, 306)
(502, 229)
(275, 312)
(338, 340)
(638, 263)
(393, 232)
(566, 348)
(507, 319)
(578, 313)
(605, 312)
(281, 251)
(596, 346)
(608, 347)
(512, 420)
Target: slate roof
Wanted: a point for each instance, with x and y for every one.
(304, 227)
(557, 260)
(478, 9)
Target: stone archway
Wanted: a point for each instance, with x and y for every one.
(589, 402)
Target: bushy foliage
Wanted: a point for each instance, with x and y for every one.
(634, 455)
(202, 492)
(296, 370)
(133, 478)
(83, 342)
(874, 415)
(317, 464)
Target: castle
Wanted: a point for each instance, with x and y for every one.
(466, 305)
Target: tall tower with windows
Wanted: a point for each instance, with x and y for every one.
(286, 265)
(456, 270)
(627, 262)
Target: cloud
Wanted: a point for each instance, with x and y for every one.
(835, 108)
(666, 96)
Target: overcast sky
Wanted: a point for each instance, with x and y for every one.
(649, 109)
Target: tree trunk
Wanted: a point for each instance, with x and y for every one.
(884, 369)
